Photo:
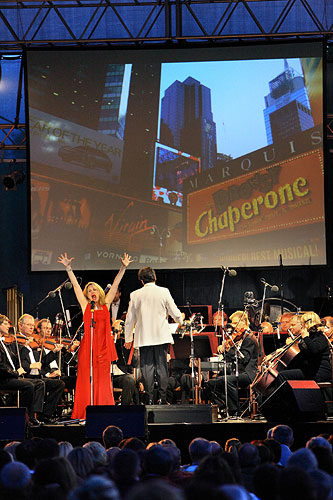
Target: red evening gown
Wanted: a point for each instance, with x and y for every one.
(104, 352)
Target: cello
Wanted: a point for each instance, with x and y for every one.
(273, 364)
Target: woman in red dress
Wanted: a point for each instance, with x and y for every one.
(95, 307)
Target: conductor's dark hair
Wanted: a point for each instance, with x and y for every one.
(147, 275)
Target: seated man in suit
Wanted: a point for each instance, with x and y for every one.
(247, 357)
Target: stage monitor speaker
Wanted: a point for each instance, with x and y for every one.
(12, 424)
(174, 414)
(295, 400)
(130, 419)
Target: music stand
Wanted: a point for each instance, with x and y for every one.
(191, 346)
(182, 346)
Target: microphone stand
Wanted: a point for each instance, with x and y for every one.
(261, 339)
(220, 310)
(281, 285)
(92, 306)
(63, 311)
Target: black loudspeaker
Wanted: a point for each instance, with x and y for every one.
(12, 424)
(295, 400)
(130, 419)
(174, 414)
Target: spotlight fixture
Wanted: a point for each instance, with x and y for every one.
(11, 180)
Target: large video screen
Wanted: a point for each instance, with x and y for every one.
(185, 158)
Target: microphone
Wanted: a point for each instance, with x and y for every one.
(274, 288)
(92, 306)
(67, 284)
(107, 288)
(231, 272)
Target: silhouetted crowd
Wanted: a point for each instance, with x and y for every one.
(127, 469)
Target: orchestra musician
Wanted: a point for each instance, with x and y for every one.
(247, 365)
(56, 353)
(34, 362)
(93, 384)
(313, 360)
(31, 391)
(148, 310)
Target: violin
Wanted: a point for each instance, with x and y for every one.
(236, 336)
(21, 339)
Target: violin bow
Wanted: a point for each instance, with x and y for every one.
(17, 348)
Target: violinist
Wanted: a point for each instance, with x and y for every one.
(34, 361)
(11, 373)
(313, 361)
(247, 355)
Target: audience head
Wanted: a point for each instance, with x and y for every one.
(214, 470)
(283, 434)
(248, 455)
(295, 483)
(56, 470)
(199, 448)
(275, 448)
(232, 444)
(96, 487)
(26, 452)
(126, 465)
(157, 460)
(82, 461)
(318, 441)
(266, 481)
(11, 447)
(64, 448)
(112, 436)
(322, 484)
(132, 443)
(98, 453)
(303, 459)
(155, 490)
(15, 476)
(215, 447)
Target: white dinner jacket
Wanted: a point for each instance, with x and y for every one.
(148, 311)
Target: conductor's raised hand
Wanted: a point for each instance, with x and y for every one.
(64, 259)
(126, 259)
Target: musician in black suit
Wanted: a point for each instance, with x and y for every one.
(31, 392)
(35, 363)
(247, 357)
(313, 361)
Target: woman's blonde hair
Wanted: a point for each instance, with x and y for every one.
(238, 316)
(100, 291)
(310, 319)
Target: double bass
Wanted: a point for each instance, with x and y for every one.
(273, 364)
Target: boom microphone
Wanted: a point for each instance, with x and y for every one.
(231, 272)
(67, 284)
(274, 288)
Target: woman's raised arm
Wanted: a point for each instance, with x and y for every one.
(125, 261)
(66, 261)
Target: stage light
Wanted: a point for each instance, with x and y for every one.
(11, 180)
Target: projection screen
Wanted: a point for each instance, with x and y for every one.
(183, 158)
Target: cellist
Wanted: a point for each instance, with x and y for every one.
(313, 361)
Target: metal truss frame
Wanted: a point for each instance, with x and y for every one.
(124, 23)
(113, 22)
